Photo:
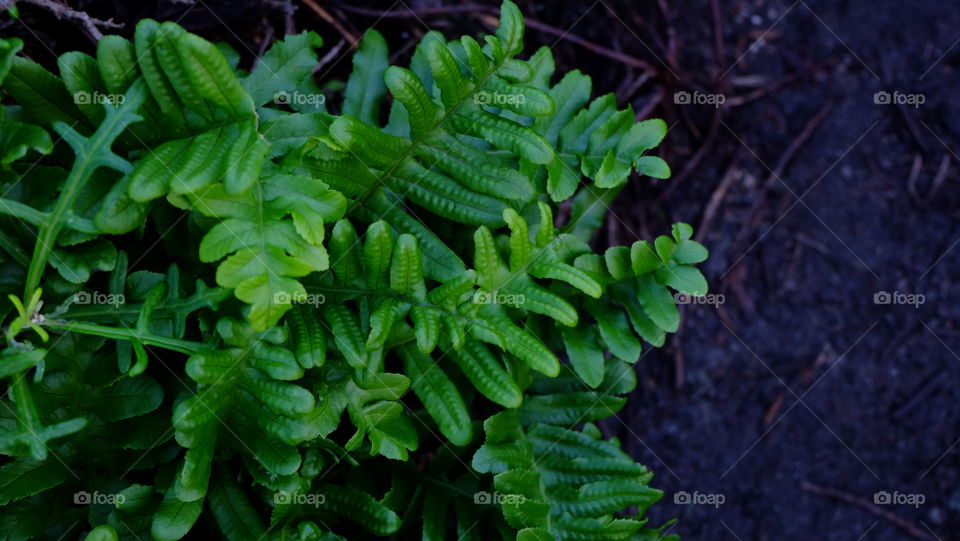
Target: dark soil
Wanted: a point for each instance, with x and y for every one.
(799, 398)
(800, 378)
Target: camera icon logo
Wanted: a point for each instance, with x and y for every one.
(681, 298)
(482, 498)
(82, 98)
(882, 297)
(482, 98)
(281, 98)
(281, 498)
(281, 297)
(82, 297)
(882, 98)
(81, 498)
(681, 97)
(682, 498)
(882, 498)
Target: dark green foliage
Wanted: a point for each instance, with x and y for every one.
(402, 339)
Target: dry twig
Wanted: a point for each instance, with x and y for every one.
(894, 518)
(332, 21)
(62, 11)
(777, 173)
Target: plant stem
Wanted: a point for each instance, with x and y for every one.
(54, 223)
(130, 311)
(174, 344)
(91, 152)
(24, 212)
(37, 217)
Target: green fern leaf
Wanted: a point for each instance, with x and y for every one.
(307, 336)
(197, 91)
(174, 518)
(439, 395)
(361, 508)
(563, 484)
(371, 406)
(268, 251)
(365, 88)
(243, 390)
(284, 69)
(487, 374)
(233, 511)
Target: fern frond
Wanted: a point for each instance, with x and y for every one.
(150, 302)
(560, 483)
(395, 282)
(307, 337)
(436, 160)
(439, 395)
(596, 140)
(365, 88)
(338, 503)
(372, 406)
(272, 233)
(244, 402)
(200, 96)
(233, 511)
(284, 69)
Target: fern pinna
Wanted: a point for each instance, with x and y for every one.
(393, 332)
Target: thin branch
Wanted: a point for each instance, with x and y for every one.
(716, 199)
(777, 173)
(325, 15)
(422, 12)
(487, 15)
(62, 11)
(897, 520)
(573, 38)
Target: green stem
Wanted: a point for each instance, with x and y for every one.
(37, 218)
(173, 344)
(91, 152)
(54, 223)
(130, 311)
(24, 212)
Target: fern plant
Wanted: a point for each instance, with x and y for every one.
(392, 334)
